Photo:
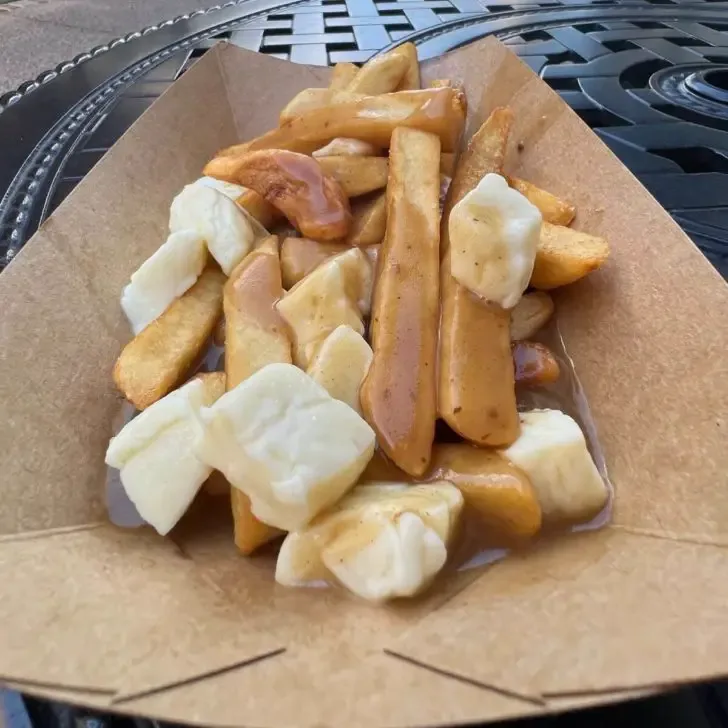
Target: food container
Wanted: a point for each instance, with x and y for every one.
(185, 629)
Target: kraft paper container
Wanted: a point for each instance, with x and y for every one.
(185, 629)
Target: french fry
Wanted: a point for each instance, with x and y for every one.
(496, 491)
(342, 76)
(535, 364)
(381, 74)
(564, 256)
(553, 209)
(476, 390)
(356, 175)
(343, 147)
(156, 360)
(255, 333)
(296, 185)
(309, 98)
(299, 256)
(259, 208)
(530, 314)
(371, 119)
(369, 221)
(255, 336)
(399, 396)
(411, 78)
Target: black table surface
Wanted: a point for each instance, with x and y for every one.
(650, 78)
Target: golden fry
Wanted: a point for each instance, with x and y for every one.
(309, 98)
(530, 314)
(257, 207)
(476, 391)
(371, 119)
(256, 336)
(399, 395)
(157, 359)
(344, 147)
(356, 175)
(535, 364)
(381, 74)
(255, 333)
(497, 491)
(342, 76)
(411, 79)
(299, 256)
(565, 255)
(553, 209)
(369, 221)
(296, 185)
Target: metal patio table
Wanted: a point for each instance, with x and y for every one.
(651, 79)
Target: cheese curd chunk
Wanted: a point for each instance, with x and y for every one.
(552, 451)
(282, 440)
(163, 278)
(158, 467)
(494, 232)
(336, 292)
(224, 226)
(341, 364)
(381, 541)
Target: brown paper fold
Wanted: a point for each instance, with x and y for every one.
(185, 629)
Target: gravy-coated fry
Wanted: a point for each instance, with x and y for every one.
(356, 175)
(299, 256)
(255, 336)
(496, 490)
(369, 221)
(553, 209)
(155, 360)
(398, 396)
(372, 119)
(476, 391)
(296, 185)
(565, 255)
(535, 364)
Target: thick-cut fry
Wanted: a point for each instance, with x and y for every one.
(535, 364)
(344, 147)
(476, 394)
(553, 209)
(309, 98)
(369, 221)
(255, 333)
(255, 336)
(371, 119)
(530, 314)
(380, 74)
(565, 255)
(476, 391)
(259, 208)
(155, 360)
(315, 98)
(411, 79)
(499, 493)
(299, 256)
(342, 75)
(296, 185)
(398, 395)
(357, 175)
